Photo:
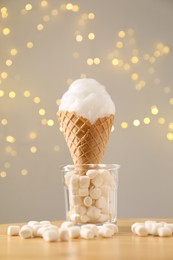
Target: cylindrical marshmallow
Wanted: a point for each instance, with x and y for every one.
(13, 230)
(26, 232)
(95, 193)
(141, 230)
(74, 232)
(67, 224)
(111, 226)
(97, 181)
(63, 234)
(106, 232)
(92, 173)
(87, 201)
(93, 213)
(87, 233)
(84, 181)
(164, 231)
(50, 235)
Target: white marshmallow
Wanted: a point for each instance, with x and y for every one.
(97, 181)
(75, 200)
(26, 232)
(149, 226)
(75, 218)
(141, 230)
(74, 232)
(106, 232)
(87, 201)
(13, 230)
(67, 177)
(84, 181)
(93, 213)
(32, 222)
(84, 219)
(164, 231)
(169, 225)
(93, 227)
(50, 235)
(100, 202)
(95, 193)
(133, 226)
(83, 192)
(87, 233)
(103, 218)
(64, 234)
(81, 210)
(67, 224)
(35, 228)
(155, 227)
(74, 181)
(111, 226)
(92, 173)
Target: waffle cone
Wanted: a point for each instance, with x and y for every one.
(85, 141)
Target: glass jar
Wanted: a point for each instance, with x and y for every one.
(91, 193)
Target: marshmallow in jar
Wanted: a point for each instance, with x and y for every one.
(91, 193)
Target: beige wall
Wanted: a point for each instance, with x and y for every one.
(144, 152)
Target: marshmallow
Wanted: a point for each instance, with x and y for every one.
(81, 210)
(103, 218)
(67, 224)
(13, 230)
(84, 181)
(149, 225)
(93, 213)
(155, 227)
(26, 232)
(74, 232)
(50, 235)
(93, 227)
(63, 234)
(92, 173)
(95, 193)
(74, 181)
(83, 192)
(35, 228)
(141, 230)
(111, 226)
(164, 231)
(106, 232)
(87, 233)
(75, 200)
(100, 202)
(97, 181)
(87, 201)
(75, 218)
(169, 225)
(32, 222)
(133, 226)
(84, 219)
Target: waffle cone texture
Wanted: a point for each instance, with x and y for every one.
(86, 141)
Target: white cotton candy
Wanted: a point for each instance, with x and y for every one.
(88, 98)
(13, 230)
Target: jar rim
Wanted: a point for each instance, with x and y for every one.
(70, 167)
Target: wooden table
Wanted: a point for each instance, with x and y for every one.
(124, 245)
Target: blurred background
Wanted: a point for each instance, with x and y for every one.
(44, 47)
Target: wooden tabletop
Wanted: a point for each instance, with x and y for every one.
(124, 245)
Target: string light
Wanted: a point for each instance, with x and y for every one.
(12, 94)
(28, 7)
(24, 172)
(91, 36)
(136, 122)
(29, 45)
(33, 149)
(146, 120)
(91, 16)
(90, 61)
(6, 31)
(10, 139)
(169, 136)
(124, 125)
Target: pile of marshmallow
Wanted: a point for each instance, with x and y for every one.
(91, 196)
(67, 231)
(154, 228)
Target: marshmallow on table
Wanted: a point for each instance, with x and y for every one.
(50, 235)
(112, 226)
(67, 224)
(13, 230)
(26, 232)
(106, 232)
(74, 232)
(64, 234)
(141, 230)
(87, 233)
(165, 231)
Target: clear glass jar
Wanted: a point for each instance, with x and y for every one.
(91, 193)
